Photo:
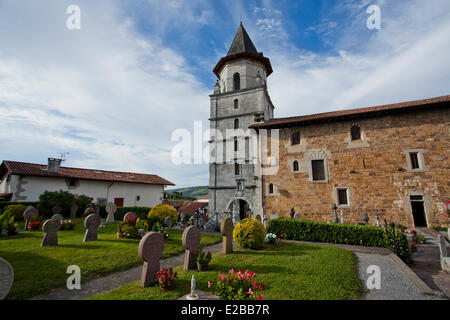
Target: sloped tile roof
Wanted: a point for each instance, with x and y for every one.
(40, 170)
(186, 207)
(442, 102)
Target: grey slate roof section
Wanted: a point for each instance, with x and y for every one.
(242, 43)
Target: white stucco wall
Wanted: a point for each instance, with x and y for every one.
(27, 188)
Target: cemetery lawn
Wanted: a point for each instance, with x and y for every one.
(38, 270)
(293, 272)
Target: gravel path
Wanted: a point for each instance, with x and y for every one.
(114, 280)
(395, 283)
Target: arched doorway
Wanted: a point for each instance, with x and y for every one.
(239, 209)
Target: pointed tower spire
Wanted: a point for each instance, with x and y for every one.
(242, 47)
(242, 43)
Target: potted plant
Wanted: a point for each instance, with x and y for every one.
(166, 278)
(203, 259)
(271, 238)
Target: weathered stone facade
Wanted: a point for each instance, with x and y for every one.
(376, 169)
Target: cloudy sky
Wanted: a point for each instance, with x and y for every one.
(112, 93)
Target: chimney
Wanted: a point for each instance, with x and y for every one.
(53, 165)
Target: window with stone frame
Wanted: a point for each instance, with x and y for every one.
(235, 144)
(318, 170)
(236, 103)
(271, 188)
(295, 138)
(414, 157)
(237, 169)
(295, 166)
(355, 133)
(342, 196)
(237, 81)
(236, 123)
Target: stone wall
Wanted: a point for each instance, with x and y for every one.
(376, 169)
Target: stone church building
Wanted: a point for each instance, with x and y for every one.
(391, 160)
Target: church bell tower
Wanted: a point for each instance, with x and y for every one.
(240, 99)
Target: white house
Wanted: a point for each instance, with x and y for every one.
(22, 181)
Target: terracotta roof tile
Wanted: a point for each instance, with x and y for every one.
(40, 170)
(336, 115)
(187, 207)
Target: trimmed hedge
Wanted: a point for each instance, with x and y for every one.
(368, 236)
(141, 212)
(4, 204)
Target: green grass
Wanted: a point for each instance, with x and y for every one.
(293, 272)
(38, 270)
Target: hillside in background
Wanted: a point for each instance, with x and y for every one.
(191, 191)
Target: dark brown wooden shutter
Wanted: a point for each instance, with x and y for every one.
(342, 196)
(318, 170)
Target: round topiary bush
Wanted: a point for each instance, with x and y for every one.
(16, 210)
(249, 233)
(161, 211)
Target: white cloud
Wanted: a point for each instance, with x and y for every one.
(105, 94)
(406, 60)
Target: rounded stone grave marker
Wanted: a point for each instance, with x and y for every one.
(129, 215)
(28, 214)
(226, 228)
(150, 250)
(50, 229)
(168, 221)
(91, 223)
(73, 211)
(111, 208)
(89, 211)
(58, 217)
(190, 241)
(6, 278)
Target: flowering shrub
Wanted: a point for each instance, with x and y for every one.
(35, 223)
(7, 225)
(249, 233)
(203, 257)
(237, 286)
(67, 225)
(166, 278)
(162, 211)
(16, 210)
(271, 238)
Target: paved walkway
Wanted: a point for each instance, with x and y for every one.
(114, 280)
(427, 263)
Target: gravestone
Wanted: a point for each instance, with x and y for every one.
(56, 210)
(111, 209)
(89, 211)
(28, 214)
(50, 229)
(226, 229)
(366, 219)
(168, 221)
(58, 217)
(442, 246)
(190, 241)
(91, 223)
(129, 215)
(73, 211)
(258, 217)
(150, 250)
(6, 278)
